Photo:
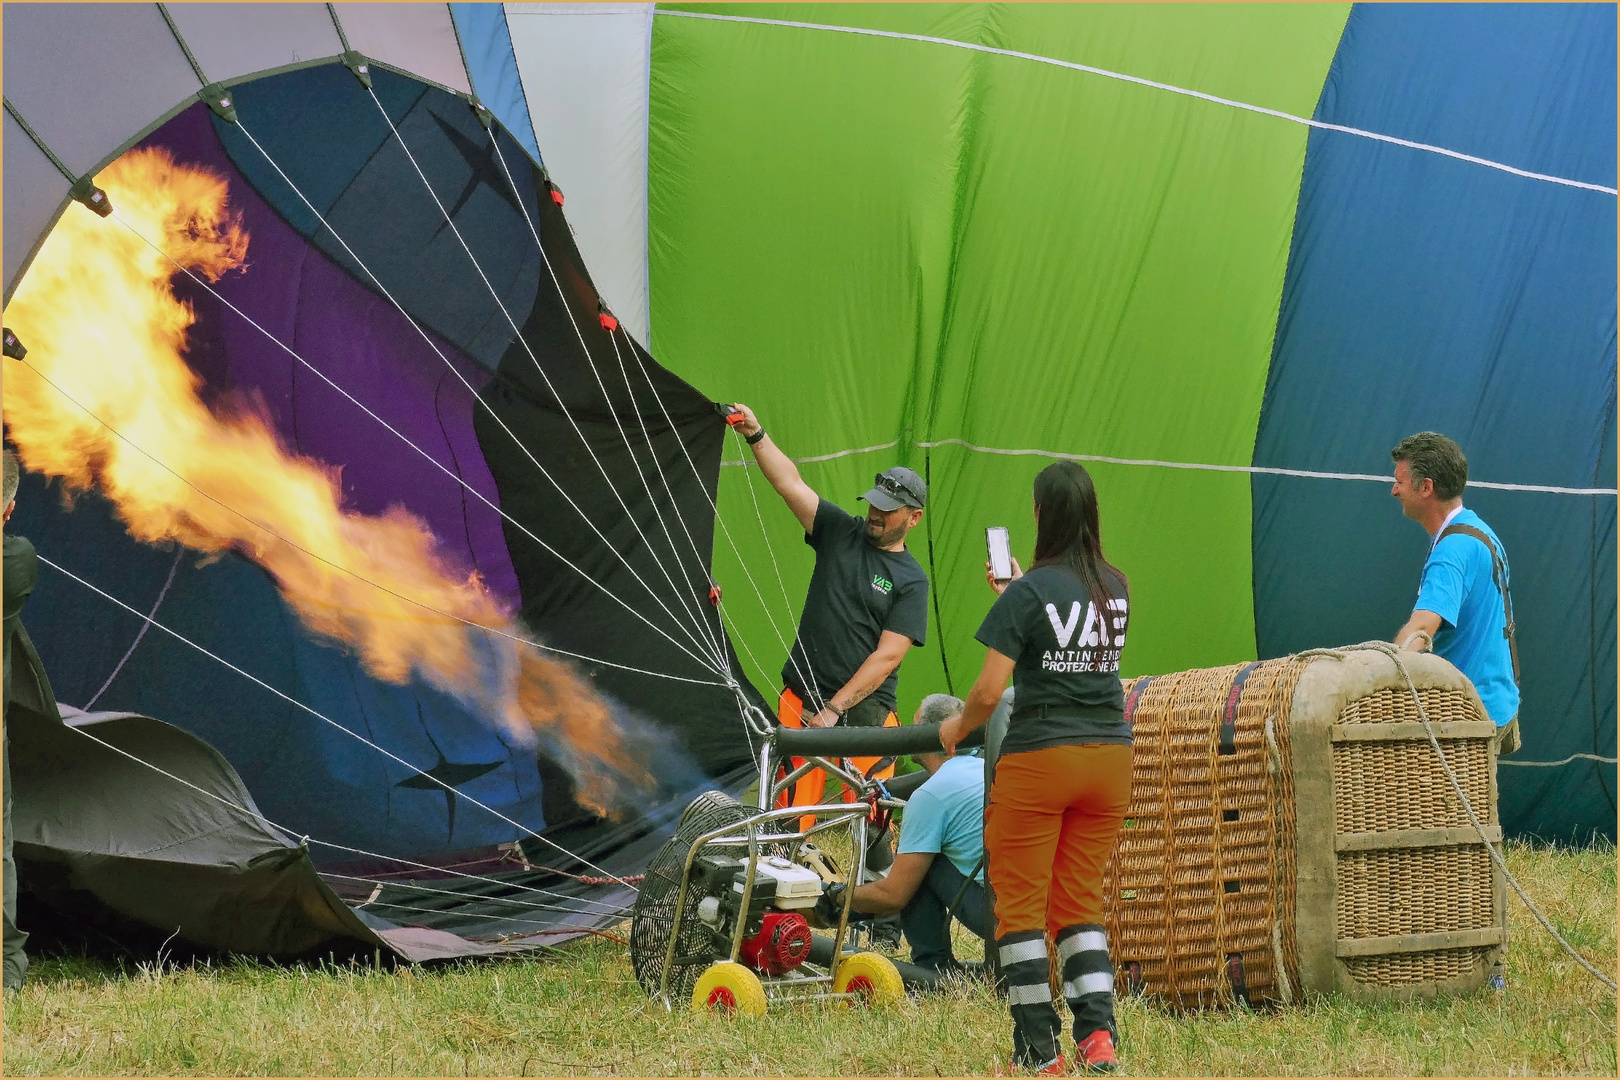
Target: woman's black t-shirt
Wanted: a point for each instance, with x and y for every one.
(1067, 656)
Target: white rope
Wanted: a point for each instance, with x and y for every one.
(383, 884)
(146, 625)
(517, 332)
(493, 918)
(325, 719)
(357, 403)
(715, 639)
(1181, 90)
(428, 457)
(1554, 764)
(770, 549)
(493, 414)
(609, 911)
(257, 818)
(813, 458)
(1252, 470)
(652, 453)
(1249, 469)
(321, 558)
(726, 532)
(1394, 654)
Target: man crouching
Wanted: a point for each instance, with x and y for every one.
(939, 868)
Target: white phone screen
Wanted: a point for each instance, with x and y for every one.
(1000, 548)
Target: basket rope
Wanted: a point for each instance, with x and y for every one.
(1394, 654)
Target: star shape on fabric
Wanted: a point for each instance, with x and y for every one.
(446, 776)
(485, 168)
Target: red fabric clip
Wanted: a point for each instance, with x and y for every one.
(714, 595)
(557, 195)
(609, 323)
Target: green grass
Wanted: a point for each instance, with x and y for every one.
(581, 1012)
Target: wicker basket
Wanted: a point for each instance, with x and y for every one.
(1291, 831)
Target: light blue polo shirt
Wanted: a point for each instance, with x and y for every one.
(946, 815)
(1458, 587)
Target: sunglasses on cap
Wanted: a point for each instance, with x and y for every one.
(896, 488)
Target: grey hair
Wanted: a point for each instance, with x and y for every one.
(13, 478)
(938, 708)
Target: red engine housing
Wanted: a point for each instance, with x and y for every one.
(782, 944)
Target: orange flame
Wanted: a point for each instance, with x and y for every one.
(101, 322)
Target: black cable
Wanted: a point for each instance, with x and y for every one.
(933, 581)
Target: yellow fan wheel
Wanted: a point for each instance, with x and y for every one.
(731, 988)
(871, 977)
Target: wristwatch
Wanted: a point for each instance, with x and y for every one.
(836, 711)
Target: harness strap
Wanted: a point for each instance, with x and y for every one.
(1135, 696)
(1229, 710)
(1499, 576)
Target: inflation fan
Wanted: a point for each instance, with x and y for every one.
(723, 914)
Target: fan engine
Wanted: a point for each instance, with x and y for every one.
(776, 936)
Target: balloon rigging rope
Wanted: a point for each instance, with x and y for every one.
(652, 453)
(423, 453)
(414, 887)
(1393, 653)
(770, 549)
(497, 418)
(327, 720)
(320, 558)
(725, 529)
(561, 404)
(255, 817)
(407, 441)
(147, 624)
(663, 410)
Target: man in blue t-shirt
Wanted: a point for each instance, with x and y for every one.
(1464, 607)
(944, 817)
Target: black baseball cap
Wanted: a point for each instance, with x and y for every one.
(897, 487)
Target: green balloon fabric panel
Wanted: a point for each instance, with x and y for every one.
(934, 255)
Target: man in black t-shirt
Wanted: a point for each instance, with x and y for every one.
(866, 606)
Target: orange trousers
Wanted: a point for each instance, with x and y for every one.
(809, 788)
(1049, 831)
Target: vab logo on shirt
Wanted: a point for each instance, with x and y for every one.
(1095, 632)
(882, 584)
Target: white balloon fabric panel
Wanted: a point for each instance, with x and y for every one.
(232, 40)
(87, 77)
(418, 38)
(585, 70)
(34, 189)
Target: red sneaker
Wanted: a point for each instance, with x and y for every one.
(1096, 1052)
(1059, 1067)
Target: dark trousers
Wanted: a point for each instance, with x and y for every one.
(925, 921)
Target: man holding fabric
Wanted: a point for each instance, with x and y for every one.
(866, 606)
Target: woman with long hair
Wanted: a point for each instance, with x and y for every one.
(1063, 779)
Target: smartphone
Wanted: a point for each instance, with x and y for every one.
(1000, 548)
